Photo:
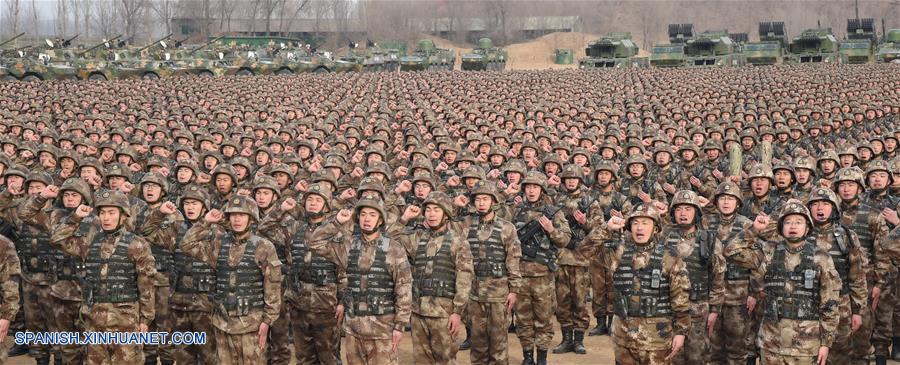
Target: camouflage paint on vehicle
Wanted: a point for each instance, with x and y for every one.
(614, 50)
(485, 57)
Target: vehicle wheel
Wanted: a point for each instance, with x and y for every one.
(8, 78)
(150, 76)
(31, 78)
(284, 71)
(244, 72)
(97, 77)
(320, 70)
(205, 73)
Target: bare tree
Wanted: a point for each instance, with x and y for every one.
(105, 22)
(11, 15)
(501, 9)
(163, 10)
(132, 12)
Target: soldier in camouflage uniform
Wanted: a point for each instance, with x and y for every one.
(190, 305)
(652, 309)
(496, 255)
(805, 174)
(247, 297)
(572, 279)
(760, 180)
(312, 294)
(9, 293)
(800, 285)
(378, 298)
(119, 275)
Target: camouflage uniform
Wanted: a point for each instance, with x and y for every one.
(9, 289)
(442, 278)
(120, 302)
(377, 266)
(248, 283)
(800, 313)
(651, 298)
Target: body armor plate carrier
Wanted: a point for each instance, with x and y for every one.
(370, 292)
(307, 267)
(641, 292)
(489, 255)
(110, 280)
(238, 288)
(803, 302)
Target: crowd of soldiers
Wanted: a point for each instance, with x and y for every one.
(720, 216)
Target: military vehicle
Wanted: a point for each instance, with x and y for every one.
(428, 58)
(359, 60)
(4, 73)
(859, 47)
(813, 46)
(614, 50)
(685, 49)
(485, 57)
(771, 46)
(889, 49)
(672, 54)
(389, 52)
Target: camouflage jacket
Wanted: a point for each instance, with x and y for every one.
(580, 201)
(727, 231)
(161, 230)
(824, 236)
(560, 237)
(490, 289)
(684, 244)
(879, 271)
(9, 286)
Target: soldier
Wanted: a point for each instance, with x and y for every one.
(442, 278)
(701, 252)
(378, 297)
(119, 275)
(572, 280)
(194, 279)
(247, 297)
(496, 254)
(800, 285)
(804, 172)
(760, 201)
(542, 229)
(9, 293)
(312, 294)
(652, 309)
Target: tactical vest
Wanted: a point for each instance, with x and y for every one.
(616, 202)
(803, 302)
(370, 291)
(538, 249)
(646, 186)
(69, 267)
(641, 292)
(238, 288)
(578, 233)
(489, 255)
(307, 266)
(163, 258)
(35, 253)
(840, 255)
(141, 216)
(435, 276)
(733, 272)
(698, 262)
(111, 280)
(860, 226)
(191, 275)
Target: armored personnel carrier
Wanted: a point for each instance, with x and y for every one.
(771, 46)
(427, 57)
(889, 49)
(859, 47)
(813, 46)
(614, 50)
(485, 57)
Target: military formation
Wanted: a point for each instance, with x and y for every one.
(692, 220)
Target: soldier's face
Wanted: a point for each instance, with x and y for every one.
(827, 166)
(14, 182)
(151, 192)
(71, 199)
(641, 229)
(239, 221)
(264, 197)
(513, 177)
(314, 203)
(802, 175)
(878, 180)
(760, 186)
(193, 209)
(684, 214)
(662, 159)
(184, 175)
(794, 226)
(240, 171)
(579, 160)
(848, 190)
(463, 165)
(421, 189)
(110, 218)
(688, 155)
(727, 204)
(224, 183)
(604, 177)
(712, 154)
(783, 179)
(532, 192)
(434, 215)
(820, 210)
(368, 219)
(282, 179)
(636, 170)
(35, 187)
(483, 203)
(847, 160)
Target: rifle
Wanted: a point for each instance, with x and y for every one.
(528, 234)
(11, 39)
(99, 45)
(577, 231)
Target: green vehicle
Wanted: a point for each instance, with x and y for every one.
(428, 58)
(771, 46)
(485, 57)
(4, 73)
(672, 54)
(813, 46)
(614, 50)
(859, 47)
(889, 49)
(389, 52)
(712, 48)
(361, 60)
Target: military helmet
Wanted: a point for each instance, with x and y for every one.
(242, 204)
(158, 179)
(79, 186)
(119, 169)
(761, 171)
(224, 169)
(572, 172)
(686, 197)
(879, 165)
(711, 144)
(194, 192)
(369, 202)
(515, 165)
(689, 146)
(39, 176)
(282, 168)
(114, 198)
(443, 201)
(824, 194)
(326, 176)
(849, 150)
(15, 170)
(729, 188)
(535, 178)
(426, 178)
(852, 173)
(635, 159)
(486, 188)
(266, 182)
(370, 184)
(794, 207)
(473, 172)
(804, 162)
(606, 165)
(827, 155)
(321, 189)
(784, 166)
(646, 211)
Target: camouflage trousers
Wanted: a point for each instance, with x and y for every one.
(601, 287)
(771, 358)
(488, 322)
(4, 348)
(38, 316)
(362, 351)
(631, 356)
(883, 333)
(115, 354)
(316, 337)
(162, 322)
(572, 286)
(839, 353)
(278, 346)
(861, 340)
(432, 342)
(732, 336)
(238, 348)
(696, 343)
(195, 321)
(534, 312)
(66, 318)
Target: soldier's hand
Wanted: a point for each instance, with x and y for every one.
(711, 323)
(662, 207)
(512, 189)
(339, 313)
(263, 334)
(644, 197)
(348, 194)
(855, 322)
(395, 341)
(246, 152)
(4, 327)
(127, 187)
(718, 174)
(50, 192)
(144, 328)
(314, 167)
(669, 188)
(696, 182)
(83, 211)
(135, 167)
(357, 172)
(288, 204)
(343, 216)
(554, 180)
(677, 344)
(615, 223)
(403, 187)
(703, 201)
(735, 179)
(890, 216)
(511, 300)
(454, 324)
(493, 174)
(461, 201)
(402, 155)
(580, 217)
(410, 212)
(168, 208)
(243, 191)
(751, 304)
(546, 224)
(876, 294)
(517, 199)
(64, 174)
(453, 181)
(14, 188)
(760, 223)
(301, 185)
(441, 167)
(213, 216)
(95, 180)
(823, 355)
(435, 154)
(203, 178)
(401, 171)
(616, 213)
(825, 183)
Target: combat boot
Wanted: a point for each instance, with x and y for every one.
(566, 345)
(895, 349)
(43, 361)
(578, 343)
(466, 344)
(541, 357)
(880, 360)
(601, 328)
(528, 356)
(17, 350)
(150, 360)
(751, 360)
